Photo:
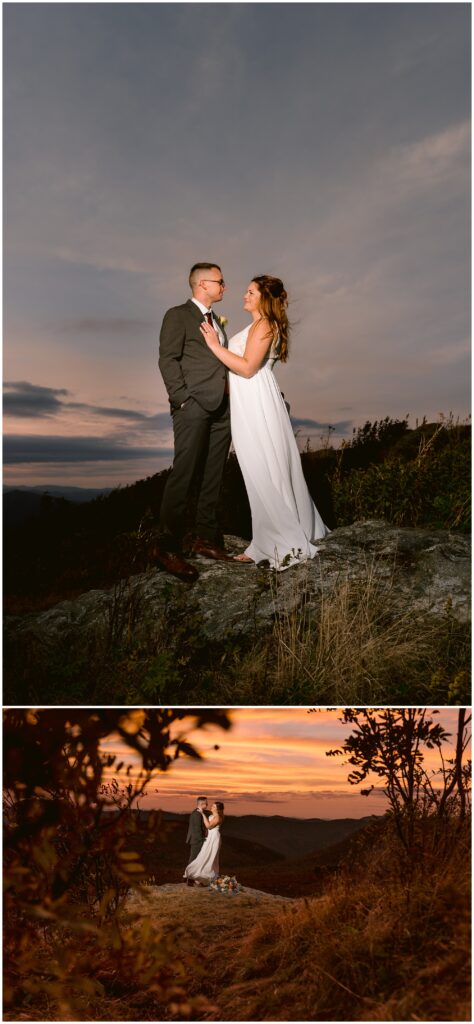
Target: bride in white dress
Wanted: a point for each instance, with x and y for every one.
(205, 867)
(285, 521)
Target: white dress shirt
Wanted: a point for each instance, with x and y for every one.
(215, 322)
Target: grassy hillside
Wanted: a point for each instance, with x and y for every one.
(310, 874)
(383, 939)
(375, 946)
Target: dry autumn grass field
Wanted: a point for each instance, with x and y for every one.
(378, 944)
(374, 946)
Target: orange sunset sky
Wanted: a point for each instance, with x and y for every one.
(272, 761)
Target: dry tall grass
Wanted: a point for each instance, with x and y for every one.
(349, 646)
(355, 646)
(389, 940)
(376, 947)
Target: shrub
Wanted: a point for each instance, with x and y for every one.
(430, 490)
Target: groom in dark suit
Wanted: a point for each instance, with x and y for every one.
(196, 831)
(197, 388)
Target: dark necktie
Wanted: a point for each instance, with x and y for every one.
(208, 317)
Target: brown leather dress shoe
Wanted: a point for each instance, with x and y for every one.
(209, 549)
(175, 564)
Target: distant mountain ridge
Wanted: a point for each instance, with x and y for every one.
(69, 492)
(288, 837)
(287, 856)
(23, 503)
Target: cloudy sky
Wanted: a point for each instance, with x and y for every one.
(324, 143)
(273, 761)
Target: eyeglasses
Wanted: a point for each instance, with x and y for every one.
(211, 280)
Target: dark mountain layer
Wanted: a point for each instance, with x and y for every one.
(292, 837)
(71, 493)
(289, 837)
(309, 875)
(23, 504)
(255, 855)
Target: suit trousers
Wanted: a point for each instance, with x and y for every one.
(201, 446)
(196, 847)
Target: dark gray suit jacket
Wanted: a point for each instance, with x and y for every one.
(188, 367)
(196, 830)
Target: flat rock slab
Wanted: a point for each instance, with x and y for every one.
(201, 910)
(422, 571)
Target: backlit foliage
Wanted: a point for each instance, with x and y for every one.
(70, 856)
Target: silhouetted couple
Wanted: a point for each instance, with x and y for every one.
(218, 389)
(204, 837)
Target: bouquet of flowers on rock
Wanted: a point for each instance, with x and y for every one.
(226, 883)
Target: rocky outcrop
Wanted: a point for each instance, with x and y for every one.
(422, 571)
(164, 899)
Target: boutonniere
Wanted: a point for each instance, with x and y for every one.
(223, 320)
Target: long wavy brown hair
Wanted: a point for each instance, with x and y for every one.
(220, 808)
(273, 306)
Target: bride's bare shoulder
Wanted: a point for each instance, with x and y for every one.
(260, 330)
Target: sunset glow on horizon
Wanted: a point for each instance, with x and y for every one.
(272, 761)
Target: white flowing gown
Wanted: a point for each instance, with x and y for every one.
(205, 867)
(285, 521)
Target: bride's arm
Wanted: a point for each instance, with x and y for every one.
(212, 821)
(204, 818)
(258, 343)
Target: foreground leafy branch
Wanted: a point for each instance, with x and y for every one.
(71, 852)
(391, 743)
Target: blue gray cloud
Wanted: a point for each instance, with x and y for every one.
(24, 399)
(21, 398)
(33, 449)
(341, 427)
